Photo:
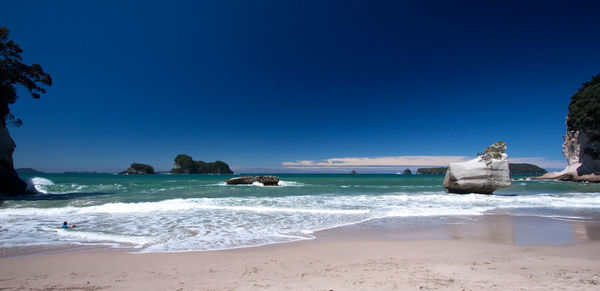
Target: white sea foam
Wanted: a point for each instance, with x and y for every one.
(229, 222)
(99, 237)
(171, 205)
(290, 184)
(38, 184)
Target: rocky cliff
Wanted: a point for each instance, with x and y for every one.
(10, 183)
(484, 174)
(581, 146)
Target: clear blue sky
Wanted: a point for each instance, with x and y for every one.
(260, 83)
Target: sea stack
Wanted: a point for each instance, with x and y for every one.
(581, 146)
(484, 174)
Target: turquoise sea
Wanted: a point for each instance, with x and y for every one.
(200, 212)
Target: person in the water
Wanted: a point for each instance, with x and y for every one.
(66, 225)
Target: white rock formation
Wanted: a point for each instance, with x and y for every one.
(581, 148)
(484, 174)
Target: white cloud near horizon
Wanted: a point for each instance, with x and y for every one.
(335, 163)
(407, 161)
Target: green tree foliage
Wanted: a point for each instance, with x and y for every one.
(184, 164)
(142, 168)
(137, 168)
(584, 109)
(14, 72)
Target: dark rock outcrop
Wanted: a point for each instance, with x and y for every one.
(244, 180)
(139, 169)
(10, 183)
(247, 180)
(407, 172)
(268, 180)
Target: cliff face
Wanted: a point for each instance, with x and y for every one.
(10, 183)
(581, 147)
(582, 150)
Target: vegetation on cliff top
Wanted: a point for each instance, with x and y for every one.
(184, 164)
(584, 109)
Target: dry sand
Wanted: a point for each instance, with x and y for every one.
(373, 256)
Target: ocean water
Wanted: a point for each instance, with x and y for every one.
(157, 213)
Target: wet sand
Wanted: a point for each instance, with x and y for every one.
(486, 252)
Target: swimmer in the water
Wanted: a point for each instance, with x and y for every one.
(66, 225)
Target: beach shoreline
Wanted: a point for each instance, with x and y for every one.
(495, 251)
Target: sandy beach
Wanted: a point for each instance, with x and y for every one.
(490, 252)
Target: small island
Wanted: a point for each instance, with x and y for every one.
(139, 169)
(514, 169)
(525, 169)
(407, 172)
(432, 171)
(28, 171)
(184, 164)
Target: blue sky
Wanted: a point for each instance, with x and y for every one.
(265, 84)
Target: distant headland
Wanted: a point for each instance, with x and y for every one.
(514, 168)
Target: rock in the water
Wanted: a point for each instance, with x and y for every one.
(245, 180)
(268, 180)
(138, 169)
(407, 172)
(484, 174)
